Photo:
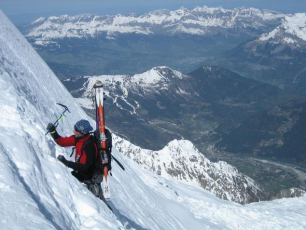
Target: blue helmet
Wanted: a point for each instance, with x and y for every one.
(83, 127)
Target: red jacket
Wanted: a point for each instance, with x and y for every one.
(84, 162)
(78, 143)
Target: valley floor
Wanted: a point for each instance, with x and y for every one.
(273, 175)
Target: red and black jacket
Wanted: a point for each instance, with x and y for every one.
(84, 161)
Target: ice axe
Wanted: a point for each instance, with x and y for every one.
(57, 121)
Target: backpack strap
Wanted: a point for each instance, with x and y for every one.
(87, 142)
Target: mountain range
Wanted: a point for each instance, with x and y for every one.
(199, 21)
(129, 44)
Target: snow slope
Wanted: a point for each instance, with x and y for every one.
(38, 192)
(198, 209)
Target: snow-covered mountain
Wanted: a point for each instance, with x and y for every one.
(199, 21)
(119, 87)
(38, 192)
(291, 32)
(277, 57)
(182, 161)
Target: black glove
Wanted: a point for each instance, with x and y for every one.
(62, 159)
(51, 128)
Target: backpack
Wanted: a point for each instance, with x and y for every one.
(95, 138)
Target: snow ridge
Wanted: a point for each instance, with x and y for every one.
(180, 160)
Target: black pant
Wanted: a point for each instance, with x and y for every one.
(81, 177)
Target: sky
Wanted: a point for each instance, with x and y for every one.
(26, 11)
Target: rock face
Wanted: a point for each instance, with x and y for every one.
(180, 160)
(290, 193)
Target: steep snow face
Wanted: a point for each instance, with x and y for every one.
(199, 21)
(37, 191)
(180, 160)
(292, 31)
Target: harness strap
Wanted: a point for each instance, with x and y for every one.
(72, 151)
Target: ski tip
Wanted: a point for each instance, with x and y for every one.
(98, 84)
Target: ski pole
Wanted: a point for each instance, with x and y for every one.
(118, 162)
(57, 121)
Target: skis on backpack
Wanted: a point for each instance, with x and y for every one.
(100, 123)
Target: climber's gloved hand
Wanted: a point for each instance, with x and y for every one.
(51, 127)
(62, 159)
